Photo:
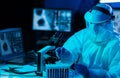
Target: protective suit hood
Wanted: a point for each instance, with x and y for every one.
(98, 14)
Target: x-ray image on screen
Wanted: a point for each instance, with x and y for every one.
(11, 43)
(5, 47)
(52, 19)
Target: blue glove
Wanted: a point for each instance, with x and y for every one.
(61, 52)
(81, 69)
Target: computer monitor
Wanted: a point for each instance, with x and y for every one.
(45, 19)
(11, 43)
(117, 20)
(109, 1)
(113, 3)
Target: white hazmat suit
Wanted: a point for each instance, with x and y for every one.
(95, 47)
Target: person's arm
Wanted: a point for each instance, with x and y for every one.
(112, 72)
(114, 68)
(73, 45)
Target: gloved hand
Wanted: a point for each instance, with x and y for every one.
(61, 52)
(99, 73)
(81, 69)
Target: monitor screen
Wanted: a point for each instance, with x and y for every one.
(113, 3)
(117, 20)
(11, 43)
(52, 19)
(109, 1)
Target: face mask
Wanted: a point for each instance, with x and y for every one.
(100, 32)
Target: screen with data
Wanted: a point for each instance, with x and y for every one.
(11, 43)
(52, 19)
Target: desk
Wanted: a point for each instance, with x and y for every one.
(7, 74)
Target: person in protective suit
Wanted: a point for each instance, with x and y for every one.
(94, 51)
